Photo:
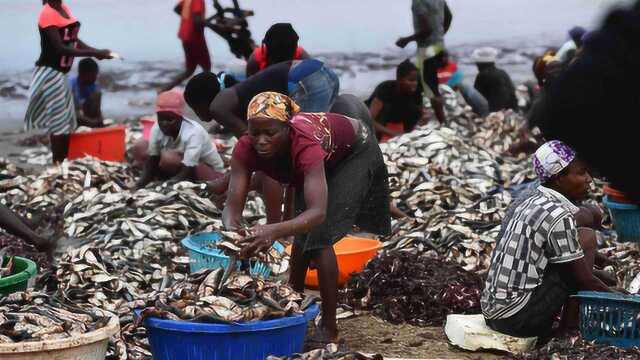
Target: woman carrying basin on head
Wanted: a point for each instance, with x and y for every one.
(337, 179)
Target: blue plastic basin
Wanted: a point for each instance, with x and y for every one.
(172, 340)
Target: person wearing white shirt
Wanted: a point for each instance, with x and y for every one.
(179, 148)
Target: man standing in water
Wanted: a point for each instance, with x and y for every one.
(431, 21)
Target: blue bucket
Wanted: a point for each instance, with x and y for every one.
(626, 220)
(185, 340)
(202, 254)
(610, 318)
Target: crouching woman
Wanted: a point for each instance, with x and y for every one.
(337, 179)
(542, 257)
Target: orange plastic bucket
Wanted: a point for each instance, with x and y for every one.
(147, 123)
(106, 144)
(352, 253)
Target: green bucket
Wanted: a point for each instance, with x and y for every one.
(24, 270)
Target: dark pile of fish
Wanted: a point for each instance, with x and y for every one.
(330, 352)
(11, 245)
(36, 316)
(577, 348)
(400, 286)
(219, 296)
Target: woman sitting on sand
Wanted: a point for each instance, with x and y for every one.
(51, 104)
(336, 168)
(179, 148)
(546, 251)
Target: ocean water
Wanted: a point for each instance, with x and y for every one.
(356, 36)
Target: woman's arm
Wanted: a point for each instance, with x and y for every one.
(223, 108)
(315, 197)
(236, 195)
(289, 203)
(10, 222)
(54, 38)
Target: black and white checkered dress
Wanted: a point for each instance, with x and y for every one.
(541, 231)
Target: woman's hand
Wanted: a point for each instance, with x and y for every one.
(103, 54)
(263, 237)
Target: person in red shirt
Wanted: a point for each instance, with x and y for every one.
(196, 52)
(336, 168)
(280, 44)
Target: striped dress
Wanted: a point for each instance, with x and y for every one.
(51, 104)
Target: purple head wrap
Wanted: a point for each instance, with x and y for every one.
(551, 158)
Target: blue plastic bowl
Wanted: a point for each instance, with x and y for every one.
(626, 219)
(203, 256)
(172, 340)
(610, 318)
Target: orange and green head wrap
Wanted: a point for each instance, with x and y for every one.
(272, 105)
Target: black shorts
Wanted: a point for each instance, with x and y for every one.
(537, 316)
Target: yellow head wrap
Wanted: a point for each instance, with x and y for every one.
(272, 105)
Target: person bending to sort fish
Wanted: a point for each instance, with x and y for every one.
(543, 256)
(309, 82)
(179, 148)
(337, 179)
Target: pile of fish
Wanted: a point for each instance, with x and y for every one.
(7, 265)
(454, 190)
(577, 348)
(220, 296)
(134, 236)
(233, 242)
(40, 198)
(627, 258)
(36, 316)
(330, 352)
(400, 286)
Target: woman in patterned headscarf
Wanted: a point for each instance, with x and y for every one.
(335, 166)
